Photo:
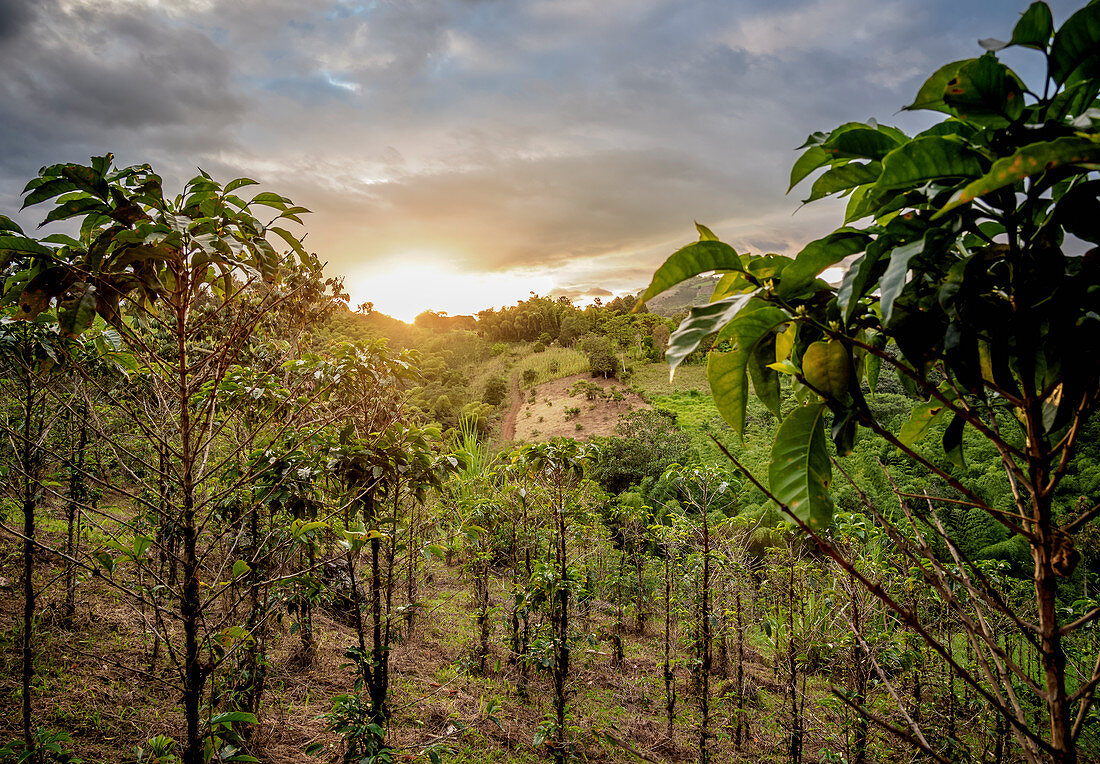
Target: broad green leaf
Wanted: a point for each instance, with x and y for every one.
(811, 159)
(765, 380)
(825, 367)
(1031, 160)
(920, 421)
(928, 158)
(893, 281)
(985, 91)
(819, 255)
(21, 245)
(236, 183)
(48, 190)
(291, 240)
(76, 207)
(860, 143)
(74, 318)
(1076, 45)
(240, 567)
(930, 95)
(800, 473)
(728, 372)
(842, 178)
(1034, 28)
(701, 321)
(856, 280)
(953, 441)
(692, 260)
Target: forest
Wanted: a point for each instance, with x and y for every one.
(748, 513)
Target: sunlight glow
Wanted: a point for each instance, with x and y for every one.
(414, 282)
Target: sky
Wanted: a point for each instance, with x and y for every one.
(459, 154)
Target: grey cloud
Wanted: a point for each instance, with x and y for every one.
(582, 136)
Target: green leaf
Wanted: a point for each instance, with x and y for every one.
(928, 158)
(819, 255)
(728, 372)
(240, 567)
(920, 421)
(800, 473)
(985, 91)
(930, 95)
(74, 318)
(21, 245)
(856, 280)
(860, 143)
(75, 207)
(48, 190)
(291, 240)
(811, 159)
(953, 441)
(692, 260)
(842, 178)
(825, 367)
(701, 321)
(1034, 28)
(893, 281)
(1076, 45)
(1033, 159)
(705, 234)
(236, 183)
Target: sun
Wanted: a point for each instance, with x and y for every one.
(407, 285)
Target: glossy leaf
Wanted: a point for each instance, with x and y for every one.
(928, 158)
(842, 178)
(692, 260)
(819, 255)
(930, 95)
(826, 368)
(800, 473)
(985, 91)
(727, 372)
(1034, 28)
(1076, 45)
(893, 281)
(701, 321)
(810, 160)
(860, 143)
(920, 421)
(1030, 160)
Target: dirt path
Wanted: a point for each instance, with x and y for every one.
(508, 428)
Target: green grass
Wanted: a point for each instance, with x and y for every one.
(568, 362)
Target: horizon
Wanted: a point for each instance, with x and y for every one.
(460, 154)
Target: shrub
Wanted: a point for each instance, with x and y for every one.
(529, 376)
(496, 390)
(538, 348)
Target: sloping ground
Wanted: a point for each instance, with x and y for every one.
(96, 682)
(544, 411)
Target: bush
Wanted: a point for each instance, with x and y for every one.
(496, 390)
(538, 348)
(529, 376)
(498, 348)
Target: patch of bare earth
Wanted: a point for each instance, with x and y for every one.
(547, 409)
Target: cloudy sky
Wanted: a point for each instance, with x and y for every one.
(460, 153)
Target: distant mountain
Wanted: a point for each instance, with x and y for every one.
(694, 291)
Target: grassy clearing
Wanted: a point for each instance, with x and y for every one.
(553, 363)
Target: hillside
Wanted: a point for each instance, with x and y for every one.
(679, 298)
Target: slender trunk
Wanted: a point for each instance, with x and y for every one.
(561, 665)
(704, 648)
(740, 730)
(670, 683)
(859, 682)
(190, 601)
(30, 493)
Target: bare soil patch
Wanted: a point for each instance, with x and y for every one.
(546, 411)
